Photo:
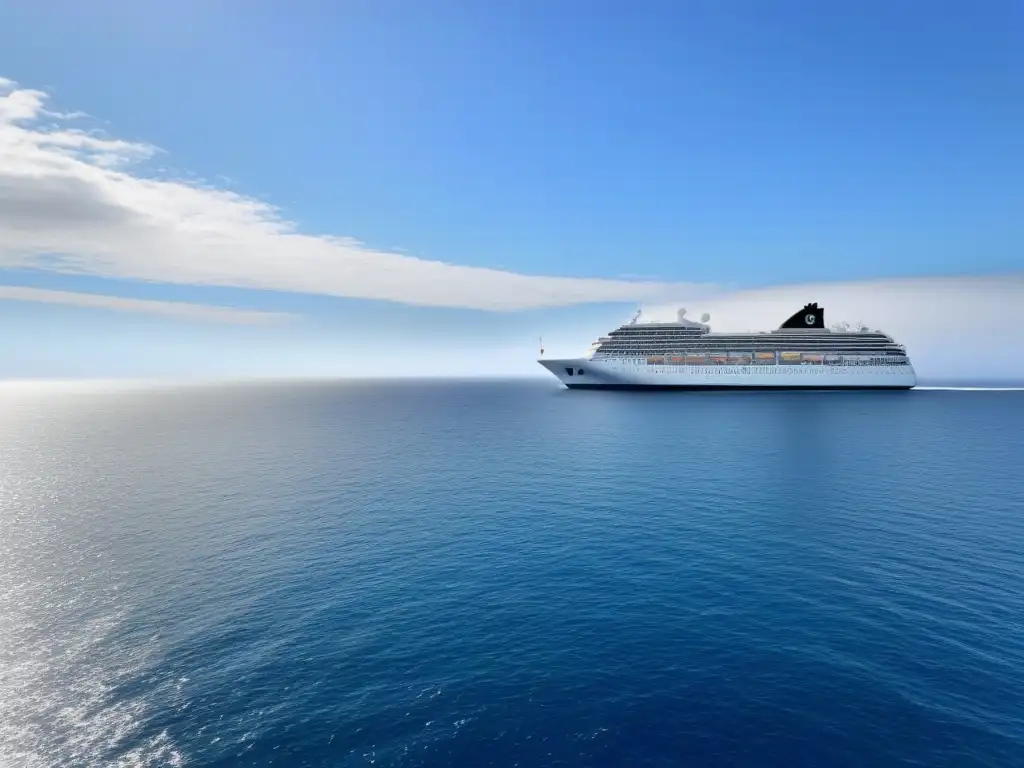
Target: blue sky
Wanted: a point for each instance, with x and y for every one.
(595, 154)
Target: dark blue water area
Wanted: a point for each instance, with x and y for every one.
(510, 574)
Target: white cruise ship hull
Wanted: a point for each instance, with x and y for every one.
(612, 374)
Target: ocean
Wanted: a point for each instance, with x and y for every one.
(443, 573)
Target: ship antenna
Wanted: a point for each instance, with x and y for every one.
(542, 346)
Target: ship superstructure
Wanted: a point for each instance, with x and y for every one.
(801, 354)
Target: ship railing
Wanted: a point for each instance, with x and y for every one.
(733, 357)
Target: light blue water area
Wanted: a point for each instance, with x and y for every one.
(509, 573)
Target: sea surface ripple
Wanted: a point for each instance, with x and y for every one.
(509, 574)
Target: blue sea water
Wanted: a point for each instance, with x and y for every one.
(509, 574)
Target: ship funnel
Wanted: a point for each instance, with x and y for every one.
(811, 316)
(681, 315)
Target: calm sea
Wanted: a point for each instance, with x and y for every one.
(509, 574)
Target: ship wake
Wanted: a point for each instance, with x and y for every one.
(973, 389)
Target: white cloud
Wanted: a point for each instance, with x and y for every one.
(70, 203)
(950, 325)
(166, 308)
(903, 305)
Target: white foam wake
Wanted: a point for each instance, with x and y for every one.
(975, 389)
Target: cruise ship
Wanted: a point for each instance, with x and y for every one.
(800, 354)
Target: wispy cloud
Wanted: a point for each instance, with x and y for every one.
(178, 309)
(76, 202)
